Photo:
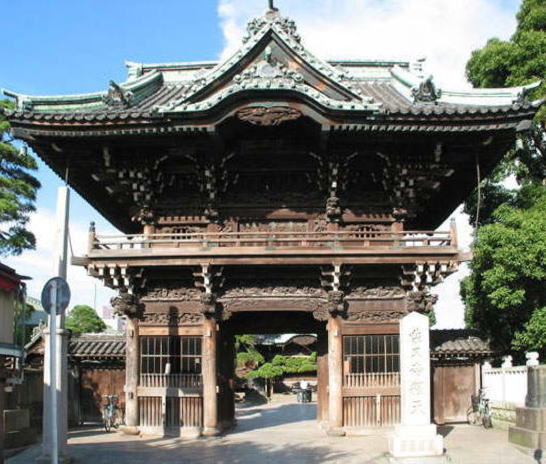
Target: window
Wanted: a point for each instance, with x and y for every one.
(364, 354)
(182, 353)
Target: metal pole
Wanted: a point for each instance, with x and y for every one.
(53, 376)
(61, 419)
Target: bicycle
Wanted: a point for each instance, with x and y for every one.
(111, 416)
(479, 413)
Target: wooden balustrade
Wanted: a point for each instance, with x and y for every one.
(373, 379)
(171, 380)
(331, 239)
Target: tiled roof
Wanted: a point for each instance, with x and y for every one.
(96, 346)
(363, 88)
(458, 342)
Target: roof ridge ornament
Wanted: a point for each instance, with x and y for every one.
(117, 96)
(272, 18)
(426, 91)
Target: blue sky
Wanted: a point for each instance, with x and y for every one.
(76, 46)
(63, 47)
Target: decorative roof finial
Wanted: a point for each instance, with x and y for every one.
(272, 7)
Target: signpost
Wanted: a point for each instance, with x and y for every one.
(55, 299)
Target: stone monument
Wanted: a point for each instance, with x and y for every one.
(415, 440)
(530, 429)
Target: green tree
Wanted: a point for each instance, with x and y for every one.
(17, 192)
(505, 293)
(84, 319)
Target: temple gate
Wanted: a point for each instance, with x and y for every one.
(273, 192)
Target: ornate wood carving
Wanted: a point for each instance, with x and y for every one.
(421, 301)
(268, 116)
(171, 318)
(272, 289)
(170, 291)
(376, 292)
(375, 316)
(127, 305)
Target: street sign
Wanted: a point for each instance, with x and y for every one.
(59, 302)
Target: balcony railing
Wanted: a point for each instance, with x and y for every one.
(277, 240)
(171, 380)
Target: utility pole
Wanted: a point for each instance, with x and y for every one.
(55, 412)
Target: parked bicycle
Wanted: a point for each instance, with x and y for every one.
(111, 414)
(479, 413)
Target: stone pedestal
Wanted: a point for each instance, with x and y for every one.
(530, 429)
(415, 439)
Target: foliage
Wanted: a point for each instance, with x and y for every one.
(23, 311)
(518, 61)
(17, 192)
(281, 365)
(249, 359)
(533, 335)
(505, 293)
(296, 364)
(84, 319)
(247, 354)
(266, 371)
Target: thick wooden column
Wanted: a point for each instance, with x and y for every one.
(131, 376)
(2, 399)
(322, 377)
(210, 381)
(335, 377)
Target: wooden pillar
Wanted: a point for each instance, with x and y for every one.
(131, 376)
(322, 377)
(2, 400)
(210, 382)
(335, 378)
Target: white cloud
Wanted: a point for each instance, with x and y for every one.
(39, 263)
(445, 31)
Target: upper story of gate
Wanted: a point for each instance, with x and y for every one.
(273, 148)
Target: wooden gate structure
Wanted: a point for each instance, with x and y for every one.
(271, 192)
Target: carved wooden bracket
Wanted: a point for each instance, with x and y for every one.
(126, 279)
(127, 305)
(209, 280)
(421, 301)
(422, 275)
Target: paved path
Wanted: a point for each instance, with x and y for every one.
(279, 433)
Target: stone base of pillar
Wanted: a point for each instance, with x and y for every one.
(412, 441)
(211, 432)
(129, 430)
(421, 460)
(335, 431)
(530, 429)
(46, 459)
(190, 433)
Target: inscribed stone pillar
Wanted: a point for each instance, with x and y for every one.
(335, 377)
(210, 382)
(131, 376)
(415, 436)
